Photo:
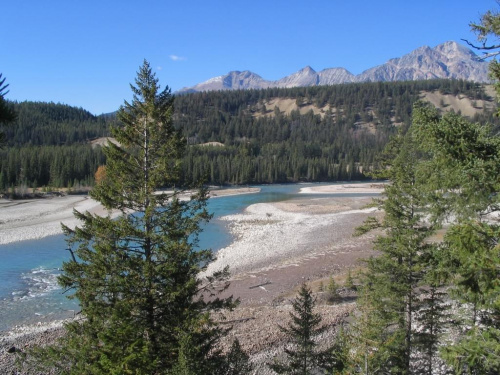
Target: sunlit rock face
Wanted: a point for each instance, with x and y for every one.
(447, 60)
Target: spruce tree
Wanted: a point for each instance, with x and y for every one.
(303, 358)
(444, 170)
(332, 290)
(349, 281)
(466, 159)
(433, 315)
(144, 309)
(7, 114)
(394, 276)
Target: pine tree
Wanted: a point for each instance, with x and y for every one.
(389, 295)
(303, 358)
(349, 281)
(433, 315)
(465, 158)
(332, 289)
(7, 114)
(136, 276)
(475, 255)
(486, 29)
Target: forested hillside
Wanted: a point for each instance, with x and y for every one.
(48, 145)
(325, 133)
(50, 124)
(329, 133)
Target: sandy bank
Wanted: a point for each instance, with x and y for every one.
(31, 219)
(361, 188)
(214, 193)
(274, 234)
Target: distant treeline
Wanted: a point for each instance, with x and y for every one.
(49, 143)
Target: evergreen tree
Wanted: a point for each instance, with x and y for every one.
(332, 289)
(340, 352)
(486, 29)
(465, 158)
(303, 358)
(433, 315)
(136, 276)
(349, 281)
(389, 302)
(7, 114)
(444, 169)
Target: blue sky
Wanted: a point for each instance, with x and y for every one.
(85, 53)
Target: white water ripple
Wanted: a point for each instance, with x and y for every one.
(38, 282)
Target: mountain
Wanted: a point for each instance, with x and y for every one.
(304, 77)
(234, 80)
(447, 60)
(333, 76)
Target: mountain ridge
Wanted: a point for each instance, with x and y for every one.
(446, 60)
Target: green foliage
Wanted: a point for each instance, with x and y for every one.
(56, 166)
(48, 146)
(349, 281)
(332, 290)
(51, 124)
(321, 287)
(432, 319)
(341, 356)
(281, 147)
(463, 164)
(368, 225)
(486, 29)
(136, 277)
(303, 358)
(474, 264)
(445, 169)
(390, 302)
(7, 114)
(464, 183)
(477, 353)
(270, 148)
(467, 156)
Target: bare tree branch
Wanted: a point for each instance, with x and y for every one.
(486, 55)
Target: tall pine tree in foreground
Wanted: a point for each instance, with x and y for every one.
(144, 310)
(444, 172)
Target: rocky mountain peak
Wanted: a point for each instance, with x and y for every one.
(447, 60)
(453, 50)
(307, 70)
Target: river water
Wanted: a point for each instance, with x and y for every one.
(29, 292)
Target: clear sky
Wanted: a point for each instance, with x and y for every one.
(85, 53)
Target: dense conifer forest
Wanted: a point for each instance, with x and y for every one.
(48, 145)
(234, 137)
